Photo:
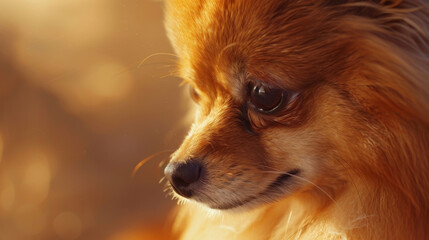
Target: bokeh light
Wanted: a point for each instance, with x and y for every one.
(1, 148)
(7, 194)
(67, 225)
(78, 111)
(36, 177)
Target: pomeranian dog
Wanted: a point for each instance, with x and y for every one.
(312, 119)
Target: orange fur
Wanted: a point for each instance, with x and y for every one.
(358, 129)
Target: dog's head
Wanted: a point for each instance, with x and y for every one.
(293, 96)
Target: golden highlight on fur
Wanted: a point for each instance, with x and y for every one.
(345, 155)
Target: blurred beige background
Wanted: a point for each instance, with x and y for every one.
(78, 111)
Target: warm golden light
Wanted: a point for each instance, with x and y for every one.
(30, 221)
(67, 225)
(77, 114)
(7, 194)
(36, 178)
(104, 83)
(1, 148)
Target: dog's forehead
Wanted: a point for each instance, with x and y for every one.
(198, 30)
(222, 42)
(213, 40)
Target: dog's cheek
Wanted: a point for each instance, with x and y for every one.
(311, 147)
(290, 149)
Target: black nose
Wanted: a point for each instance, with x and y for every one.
(182, 176)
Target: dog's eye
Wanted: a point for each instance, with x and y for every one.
(266, 99)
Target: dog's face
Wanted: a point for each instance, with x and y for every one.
(280, 107)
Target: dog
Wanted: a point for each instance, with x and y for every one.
(312, 119)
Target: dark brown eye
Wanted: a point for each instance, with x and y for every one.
(266, 99)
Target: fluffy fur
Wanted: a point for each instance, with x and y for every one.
(357, 127)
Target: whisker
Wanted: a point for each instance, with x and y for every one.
(226, 47)
(168, 75)
(153, 55)
(288, 221)
(160, 180)
(308, 181)
(138, 166)
(134, 66)
(162, 163)
(161, 64)
(298, 236)
(229, 228)
(348, 170)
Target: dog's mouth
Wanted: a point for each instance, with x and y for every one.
(275, 188)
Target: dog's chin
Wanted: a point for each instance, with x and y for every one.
(283, 186)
